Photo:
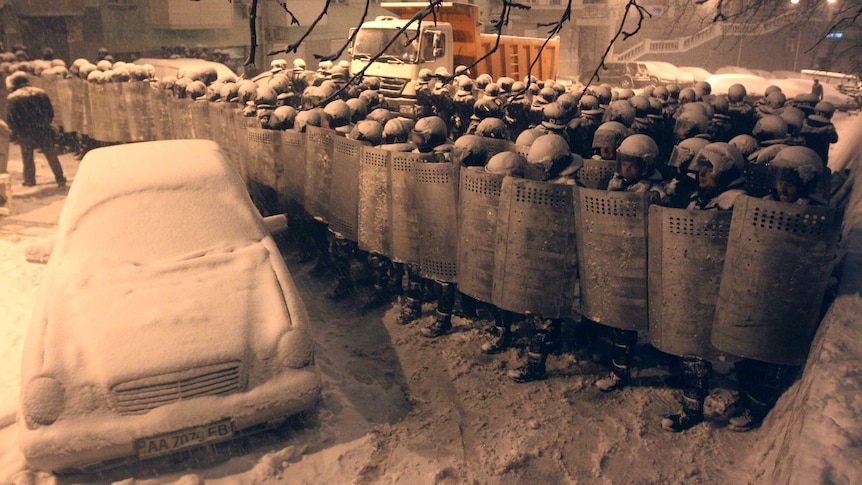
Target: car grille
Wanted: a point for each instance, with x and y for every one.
(392, 86)
(141, 395)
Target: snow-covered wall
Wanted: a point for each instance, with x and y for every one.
(814, 434)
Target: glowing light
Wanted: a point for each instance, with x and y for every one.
(794, 2)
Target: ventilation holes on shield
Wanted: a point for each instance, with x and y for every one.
(611, 206)
(375, 159)
(688, 226)
(541, 196)
(799, 223)
(483, 185)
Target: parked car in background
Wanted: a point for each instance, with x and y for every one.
(166, 320)
(627, 75)
(666, 73)
(756, 86)
(173, 67)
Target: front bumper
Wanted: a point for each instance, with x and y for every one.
(91, 441)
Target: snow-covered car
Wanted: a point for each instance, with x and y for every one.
(699, 73)
(756, 86)
(166, 319)
(666, 73)
(175, 67)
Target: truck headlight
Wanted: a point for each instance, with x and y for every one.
(42, 401)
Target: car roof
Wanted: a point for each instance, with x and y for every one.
(170, 67)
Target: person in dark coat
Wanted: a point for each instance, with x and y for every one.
(29, 116)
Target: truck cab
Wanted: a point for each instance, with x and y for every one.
(422, 45)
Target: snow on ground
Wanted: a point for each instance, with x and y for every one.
(398, 408)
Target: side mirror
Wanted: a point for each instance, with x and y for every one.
(438, 52)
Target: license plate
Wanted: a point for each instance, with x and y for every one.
(168, 443)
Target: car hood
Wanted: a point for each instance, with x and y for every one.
(130, 321)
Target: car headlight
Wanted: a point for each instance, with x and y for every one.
(296, 349)
(42, 401)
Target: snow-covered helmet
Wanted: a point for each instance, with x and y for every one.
(610, 134)
(745, 143)
(798, 165)
(725, 161)
(470, 151)
(493, 128)
(17, 80)
(769, 130)
(622, 111)
(507, 163)
(339, 112)
(428, 133)
(527, 137)
(736, 93)
(554, 116)
(368, 131)
(396, 130)
(640, 149)
(684, 152)
(547, 157)
(307, 118)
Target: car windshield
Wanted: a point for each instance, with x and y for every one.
(370, 42)
(149, 226)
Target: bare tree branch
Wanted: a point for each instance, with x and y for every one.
(292, 48)
(336, 55)
(293, 19)
(252, 21)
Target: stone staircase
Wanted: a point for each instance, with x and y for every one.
(706, 34)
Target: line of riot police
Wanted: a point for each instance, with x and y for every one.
(702, 219)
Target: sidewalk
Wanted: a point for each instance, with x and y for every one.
(35, 210)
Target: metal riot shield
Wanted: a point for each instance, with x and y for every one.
(63, 108)
(344, 189)
(49, 85)
(139, 110)
(264, 147)
(436, 199)
(535, 255)
(291, 180)
(100, 128)
(181, 118)
(405, 222)
(240, 126)
(779, 259)
(201, 119)
(478, 201)
(80, 106)
(686, 257)
(318, 171)
(375, 201)
(118, 113)
(495, 146)
(612, 247)
(595, 174)
(162, 124)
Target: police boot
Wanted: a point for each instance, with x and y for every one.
(750, 414)
(411, 310)
(534, 368)
(696, 372)
(467, 307)
(621, 357)
(441, 326)
(503, 333)
(378, 298)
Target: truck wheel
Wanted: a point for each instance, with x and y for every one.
(654, 81)
(626, 83)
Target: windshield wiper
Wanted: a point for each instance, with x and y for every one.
(361, 56)
(390, 58)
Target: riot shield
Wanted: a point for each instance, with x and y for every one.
(344, 188)
(100, 128)
(612, 247)
(240, 128)
(495, 146)
(117, 112)
(139, 110)
(201, 119)
(163, 125)
(264, 147)
(80, 106)
(375, 201)
(595, 174)
(63, 108)
(436, 201)
(779, 259)
(535, 255)
(49, 85)
(318, 171)
(478, 200)
(686, 256)
(291, 180)
(405, 222)
(181, 118)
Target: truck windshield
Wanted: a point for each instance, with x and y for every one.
(370, 42)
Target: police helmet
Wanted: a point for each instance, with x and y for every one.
(246, 92)
(483, 80)
(704, 87)
(492, 90)
(486, 108)
(196, 89)
(528, 136)
(673, 90)
(283, 118)
(589, 104)
(690, 123)
(625, 93)
(824, 109)
(547, 157)
(507, 163)
(776, 100)
(307, 118)
(684, 152)
(798, 165)
(794, 117)
(470, 151)
(278, 65)
(610, 134)
(17, 80)
(428, 133)
(299, 64)
(622, 111)
(493, 128)
(368, 131)
(280, 83)
(228, 91)
(661, 93)
(687, 95)
(380, 115)
(771, 89)
(554, 116)
(724, 159)
(745, 143)
(640, 149)
(736, 93)
(339, 111)
(358, 110)
(505, 84)
(396, 130)
(641, 105)
(769, 130)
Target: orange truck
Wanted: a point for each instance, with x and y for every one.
(454, 40)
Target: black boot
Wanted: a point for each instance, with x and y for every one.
(411, 310)
(502, 328)
(696, 372)
(441, 326)
(532, 370)
(621, 357)
(749, 415)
